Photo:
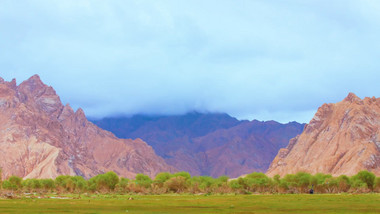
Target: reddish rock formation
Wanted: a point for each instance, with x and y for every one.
(41, 138)
(342, 138)
(208, 144)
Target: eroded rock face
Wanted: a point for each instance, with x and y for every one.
(41, 138)
(342, 138)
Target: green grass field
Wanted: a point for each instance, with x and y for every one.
(345, 203)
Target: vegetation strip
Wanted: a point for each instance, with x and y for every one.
(184, 183)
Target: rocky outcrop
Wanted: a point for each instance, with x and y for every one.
(342, 138)
(41, 138)
(208, 144)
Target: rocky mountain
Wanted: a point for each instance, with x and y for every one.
(41, 138)
(207, 144)
(342, 138)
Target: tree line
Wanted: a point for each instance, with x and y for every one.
(184, 183)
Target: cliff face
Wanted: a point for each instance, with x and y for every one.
(208, 144)
(342, 138)
(41, 138)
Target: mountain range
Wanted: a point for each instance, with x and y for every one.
(207, 143)
(42, 138)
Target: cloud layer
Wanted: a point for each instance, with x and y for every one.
(261, 60)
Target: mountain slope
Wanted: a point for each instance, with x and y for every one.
(208, 144)
(342, 138)
(41, 138)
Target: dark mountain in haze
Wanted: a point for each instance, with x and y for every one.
(167, 133)
(207, 144)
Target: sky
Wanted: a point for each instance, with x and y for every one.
(267, 60)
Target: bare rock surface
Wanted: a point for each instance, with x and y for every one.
(41, 138)
(342, 138)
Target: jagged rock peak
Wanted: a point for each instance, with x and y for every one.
(80, 113)
(1, 80)
(80, 116)
(35, 77)
(68, 107)
(33, 83)
(351, 97)
(12, 84)
(67, 111)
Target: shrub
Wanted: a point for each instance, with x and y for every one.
(104, 182)
(343, 183)
(176, 184)
(8, 185)
(161, 178)
(320, 182)
(15, 182)
(363, 180)
(143, 180)
(303, 181)
(61, 182)
(203, 183)
(235, 185)
(257, 182)
(122, 185)
(186, 175)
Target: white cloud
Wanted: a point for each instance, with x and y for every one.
(262, 59)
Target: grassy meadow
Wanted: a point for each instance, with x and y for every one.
(277, 203)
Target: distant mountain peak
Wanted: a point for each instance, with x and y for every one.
(351, 97)
(211, 144)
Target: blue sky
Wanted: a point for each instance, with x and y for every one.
(267, 60)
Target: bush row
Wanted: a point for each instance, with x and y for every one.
(183, 182)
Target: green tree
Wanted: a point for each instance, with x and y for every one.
(223, 179)
(289, 183)
(257, 182)
(143, 180)
(235, 185)
(161, 178)
(122, 185)
(203, 182)
(276, 178)
(112, 179)
(104, 182)
(343, 183)
(35, 184)
(79, 184)
(8, 185)
(13, 183)
(364, 177)
(186, 175)
(303, 181)
(47, 184)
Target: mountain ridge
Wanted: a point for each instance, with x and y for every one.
(342, 138)
(42, 138)
(212, 151)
